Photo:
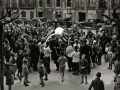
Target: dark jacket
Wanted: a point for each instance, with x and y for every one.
(87, 50)
(97, 84)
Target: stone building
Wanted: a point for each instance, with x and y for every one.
(75, 10)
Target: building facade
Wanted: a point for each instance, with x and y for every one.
(75, 10)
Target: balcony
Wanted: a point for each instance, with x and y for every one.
(14, 5)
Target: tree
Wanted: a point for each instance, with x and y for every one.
(2, 23)
(115, 18)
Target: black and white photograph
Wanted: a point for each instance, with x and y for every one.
(59, 44)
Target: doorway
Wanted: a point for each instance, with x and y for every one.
(82, 16)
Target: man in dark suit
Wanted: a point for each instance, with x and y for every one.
(35, 54)
(87, 50)
(97, 83)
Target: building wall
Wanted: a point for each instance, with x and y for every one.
(89, 7)
(28, 14)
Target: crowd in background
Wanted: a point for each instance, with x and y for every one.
(25, 48)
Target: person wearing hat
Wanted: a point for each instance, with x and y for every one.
(9, 76)
(41, 70)
(117, 84)
(97, 83)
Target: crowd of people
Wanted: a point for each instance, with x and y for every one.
(25, 48)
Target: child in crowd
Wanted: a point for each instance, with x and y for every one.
(83, 67)
(25, 71)
(41, 72)
(47, 58)
(9, 78)
(61, 60)
(106, 51)
(109, 57)
(99, 54)
(13, 65)
(19, 64)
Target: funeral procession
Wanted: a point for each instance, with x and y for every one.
(59, 44)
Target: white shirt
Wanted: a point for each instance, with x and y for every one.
(41, 47)
(75, 56)
(47, 51)
(69, 51)
(76, 45)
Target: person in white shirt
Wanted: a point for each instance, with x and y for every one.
(76, 44)
(47, 58)
(76, 58)
(41, 47)
(69, 51)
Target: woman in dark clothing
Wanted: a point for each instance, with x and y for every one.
(9, 76)
(19, 64)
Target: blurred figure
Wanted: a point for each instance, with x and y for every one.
(25, 72)
(97, 83)
(69, 51)
(9, 78)
(61, 60)
(76, 58)
(117, 84)
(83, 68)
(41, 70)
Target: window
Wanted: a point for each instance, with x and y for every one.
(48, 3)
(58, 3)
(9, 13)
(40, 3)
(69, 3)
(31, 14)
(40, 14)
(23, 14)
